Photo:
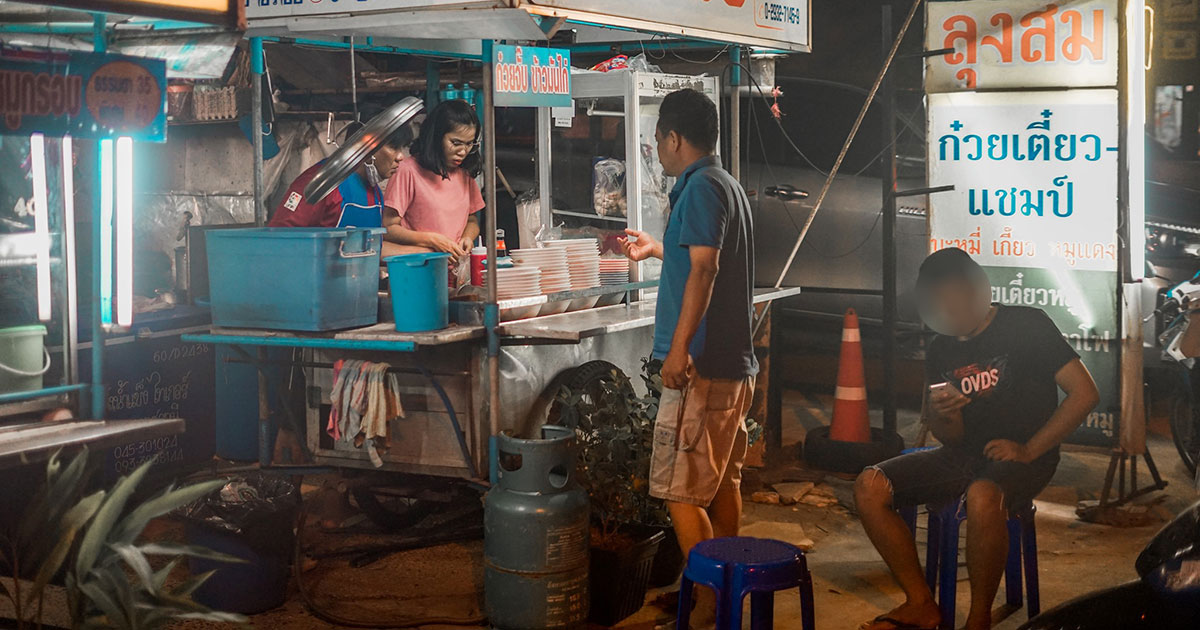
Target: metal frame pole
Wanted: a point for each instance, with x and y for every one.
(735, 113)
(491, 314)
(887, 103)
(257, 68)
(99, 44)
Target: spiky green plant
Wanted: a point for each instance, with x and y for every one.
(108, 577)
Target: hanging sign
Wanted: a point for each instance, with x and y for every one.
(1035, 203)
(1021, 44)
(524, 76)
(224, 12)
(779, 24)
(85, 95)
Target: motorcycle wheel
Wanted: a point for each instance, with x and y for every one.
(1185, 432)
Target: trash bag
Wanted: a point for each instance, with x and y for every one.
(260, 509)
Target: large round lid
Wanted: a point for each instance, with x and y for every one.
(360, 146)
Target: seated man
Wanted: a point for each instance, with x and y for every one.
(993, 374)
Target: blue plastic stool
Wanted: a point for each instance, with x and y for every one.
(941, 556)
(737, 566)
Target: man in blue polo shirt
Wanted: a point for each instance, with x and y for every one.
(702, 326)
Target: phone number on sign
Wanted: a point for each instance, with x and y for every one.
(151, 447)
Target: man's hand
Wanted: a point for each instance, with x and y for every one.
(439, 243)
(676, 370)
(1007, 451)
(642, 247)
(948, 401)
(466, 244)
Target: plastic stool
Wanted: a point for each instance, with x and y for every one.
(737, 566)
(941, 556)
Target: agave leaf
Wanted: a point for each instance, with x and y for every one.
(189, 586)
(115, 580)
(73, 521)
(137, 562)
(160, 576)
(172, 549)
(214, 615)
(100, 529)
(104, 602)
(52, 499)
(133, 524)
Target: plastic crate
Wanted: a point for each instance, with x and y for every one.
(306, 279)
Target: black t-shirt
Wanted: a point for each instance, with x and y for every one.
(1007, 371)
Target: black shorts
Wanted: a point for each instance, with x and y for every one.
(941, 475)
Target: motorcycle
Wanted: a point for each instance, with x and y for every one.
(1171, 311)
(1166, 597)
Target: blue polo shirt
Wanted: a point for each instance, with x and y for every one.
(710, 208)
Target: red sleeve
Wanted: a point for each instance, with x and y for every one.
(294, 211)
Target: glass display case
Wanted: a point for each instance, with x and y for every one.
(598, 167)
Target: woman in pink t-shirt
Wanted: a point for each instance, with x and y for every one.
(431, 200)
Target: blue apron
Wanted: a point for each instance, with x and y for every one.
(357, 209)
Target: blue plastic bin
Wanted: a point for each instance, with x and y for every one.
(420, 290)
(294, 278)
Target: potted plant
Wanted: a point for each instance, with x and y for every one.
(90, 539)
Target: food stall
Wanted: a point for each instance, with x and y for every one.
(93, 105)
(463, 384)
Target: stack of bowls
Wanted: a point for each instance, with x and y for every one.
(583, 264)
(555, 272)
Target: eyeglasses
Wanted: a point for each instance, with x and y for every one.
(471, 147)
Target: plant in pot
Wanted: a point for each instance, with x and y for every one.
(89, 540)
(614, 427)
(611, 424)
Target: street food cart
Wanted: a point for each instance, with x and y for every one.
(90, 108)
(465, 384)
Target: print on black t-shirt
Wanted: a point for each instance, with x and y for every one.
(980, 379)
(1008, 371)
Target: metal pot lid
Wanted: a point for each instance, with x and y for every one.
(360, 146)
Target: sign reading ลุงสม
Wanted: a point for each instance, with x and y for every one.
(85, 95)
(1021, 44)
(525, 76)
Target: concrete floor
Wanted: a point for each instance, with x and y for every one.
(851, 583)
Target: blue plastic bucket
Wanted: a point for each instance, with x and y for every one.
(420, 292)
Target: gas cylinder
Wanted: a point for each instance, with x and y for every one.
(536, 535)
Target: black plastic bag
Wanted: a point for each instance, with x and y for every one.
(260, 509)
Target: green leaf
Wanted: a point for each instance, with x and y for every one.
(132, 525)
(171, 549)
(161, 575)
(100, 529)
(106, 604)
(73, 521)
(189, 586)
(53, 498)
(138, 563)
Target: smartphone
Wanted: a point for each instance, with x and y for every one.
(940, 389)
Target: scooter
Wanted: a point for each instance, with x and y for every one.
(1167, 597)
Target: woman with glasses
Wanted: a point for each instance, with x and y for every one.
(431, 201)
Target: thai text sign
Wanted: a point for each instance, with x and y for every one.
(524, 76)
(1021, 44)
(1034, 176)
(1035, 202)
(84, 95)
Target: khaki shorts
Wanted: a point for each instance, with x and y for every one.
(700, 439)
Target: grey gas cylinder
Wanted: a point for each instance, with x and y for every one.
(536, 535)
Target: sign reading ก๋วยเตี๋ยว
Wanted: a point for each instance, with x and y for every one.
(1021, 44)
(84, 95)
(524, 76)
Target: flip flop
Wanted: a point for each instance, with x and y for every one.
(896, 624)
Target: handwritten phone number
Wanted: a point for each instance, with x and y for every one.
(146, 447)
(124, 466)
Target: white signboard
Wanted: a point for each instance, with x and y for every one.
(1035, 177)
(783, 24)
(1021, 44)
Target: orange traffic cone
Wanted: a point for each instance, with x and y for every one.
(850, 420)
